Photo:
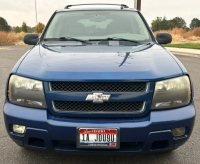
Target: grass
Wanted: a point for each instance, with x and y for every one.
(186, 45)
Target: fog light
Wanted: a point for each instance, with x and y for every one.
(178, 132)
(19, 129)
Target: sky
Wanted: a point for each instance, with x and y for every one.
(15, 12)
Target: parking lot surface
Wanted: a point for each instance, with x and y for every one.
(11, 153)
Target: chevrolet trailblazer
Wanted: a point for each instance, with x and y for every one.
(96, 81)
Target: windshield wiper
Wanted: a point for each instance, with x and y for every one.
(65, 39)
(115, 39)
(74, 39)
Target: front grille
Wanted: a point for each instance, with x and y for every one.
(106, 107)
(98, 86)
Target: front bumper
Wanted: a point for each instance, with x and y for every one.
(149, 133)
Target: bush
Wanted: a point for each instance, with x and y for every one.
(182, 35)
(12, 38)
(192, 33)
(7, 38)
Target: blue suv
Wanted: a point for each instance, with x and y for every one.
(98, 81)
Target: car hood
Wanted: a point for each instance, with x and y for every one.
(98, 63)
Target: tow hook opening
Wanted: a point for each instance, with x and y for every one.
(36, 142)
(159, 145)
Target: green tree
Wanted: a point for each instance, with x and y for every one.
(4, 25)
(161, 24)
(24, 27)
(29, 29)
(195, 23)
(155, 25)
(17, 29)
(171, 25)
(179, 22)
(164, 24)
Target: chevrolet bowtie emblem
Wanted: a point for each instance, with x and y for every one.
(98, 97)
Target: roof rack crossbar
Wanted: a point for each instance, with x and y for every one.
(122, 5)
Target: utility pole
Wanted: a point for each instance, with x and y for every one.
(36, 16)
(138, 5)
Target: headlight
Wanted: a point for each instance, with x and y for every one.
(172, 93)
(26, 92)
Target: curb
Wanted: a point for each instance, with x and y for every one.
(185, 54)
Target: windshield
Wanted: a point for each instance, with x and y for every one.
(90, 25)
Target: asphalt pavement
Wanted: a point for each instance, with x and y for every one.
(11, 153)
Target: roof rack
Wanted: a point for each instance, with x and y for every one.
(122, 5)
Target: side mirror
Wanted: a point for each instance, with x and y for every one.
(164, 38)
(31, 39)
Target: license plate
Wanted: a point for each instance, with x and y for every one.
(98, 138)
